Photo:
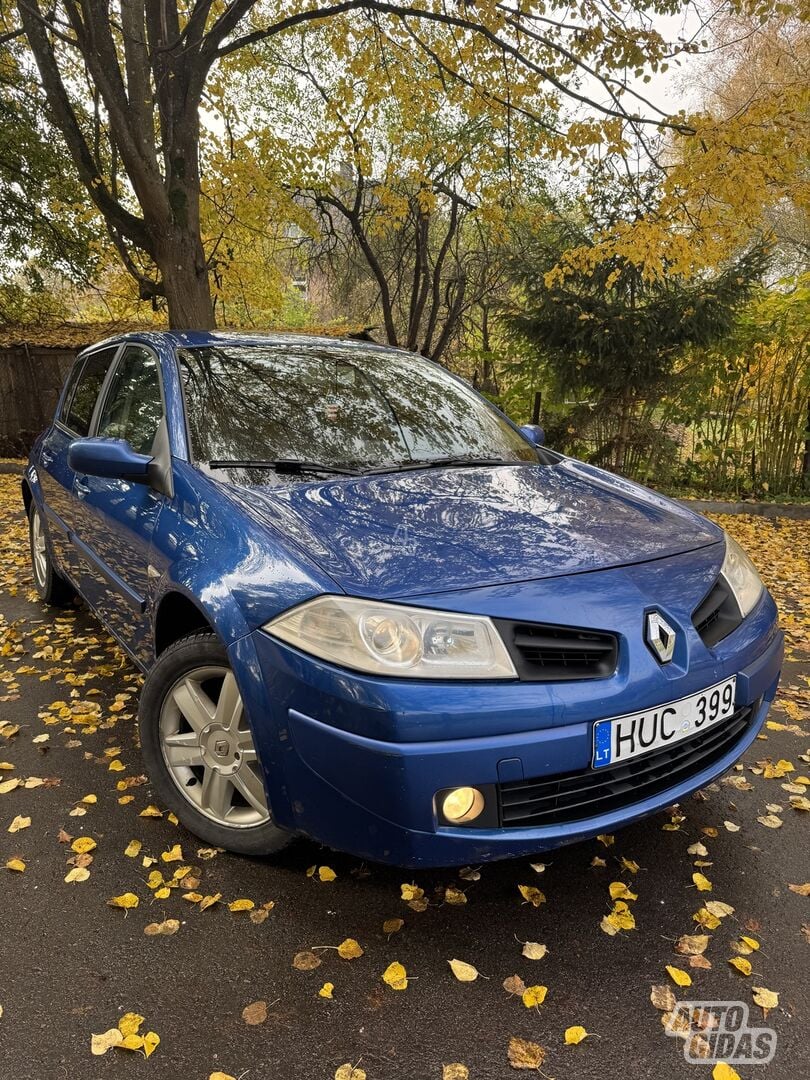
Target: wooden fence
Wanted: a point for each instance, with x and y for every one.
(31, 379)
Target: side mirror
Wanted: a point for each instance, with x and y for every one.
(534, 433)
(113, 458)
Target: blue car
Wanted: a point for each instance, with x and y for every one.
(372, 611)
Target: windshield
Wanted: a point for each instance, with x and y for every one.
(359, 409)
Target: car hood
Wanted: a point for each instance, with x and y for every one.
(428, 531)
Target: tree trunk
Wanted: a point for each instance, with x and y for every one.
(181, 261)
(623, 435)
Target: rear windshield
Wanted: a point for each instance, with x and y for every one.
(360, 408)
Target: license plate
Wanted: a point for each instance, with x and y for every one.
(624, 737)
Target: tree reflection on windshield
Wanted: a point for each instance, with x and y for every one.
(358, 408)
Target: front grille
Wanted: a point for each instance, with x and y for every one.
(587, 793)
(554, 653)
(717, 614)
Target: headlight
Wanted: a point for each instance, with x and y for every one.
(392, 639)
(741, 576)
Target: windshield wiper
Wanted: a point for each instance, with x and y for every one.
(442, 462)
(292, 466)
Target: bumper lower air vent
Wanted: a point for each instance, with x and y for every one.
(552, 653)
(717, 614)
(588, 793)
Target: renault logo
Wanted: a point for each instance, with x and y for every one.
(660, 636)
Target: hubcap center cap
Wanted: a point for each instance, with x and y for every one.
(220, 749)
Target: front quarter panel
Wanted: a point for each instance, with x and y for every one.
(238, 571)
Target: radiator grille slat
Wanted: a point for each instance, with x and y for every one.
(544, 653)
(717, 614)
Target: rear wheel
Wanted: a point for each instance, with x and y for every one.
(50, 584)
(199, 750)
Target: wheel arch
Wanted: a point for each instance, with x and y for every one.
(177, 616)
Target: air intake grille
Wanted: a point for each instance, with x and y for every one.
(588, 793)
(553, 653)
(717, 615)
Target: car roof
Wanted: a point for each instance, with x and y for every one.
(196, 339)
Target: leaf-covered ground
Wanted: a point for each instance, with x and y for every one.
(127, 949)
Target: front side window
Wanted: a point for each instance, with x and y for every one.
(363, 409)
(133, 407)
(81, 403)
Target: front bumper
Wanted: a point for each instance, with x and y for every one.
(355, 762)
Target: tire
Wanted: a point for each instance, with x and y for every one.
(198, 749)
(49, 583)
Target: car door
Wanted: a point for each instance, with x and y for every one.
(117, 518)
(73, 419)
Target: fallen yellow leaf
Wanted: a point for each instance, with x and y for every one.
(82, 844)
(78, 873)
(679, 977)
(163, 929)
(692, 944)
(619, 891)
(534, 995)
(395, 976)
(125, 900)
(326, 873)
(349, 949)
(19, 822)
(703, 883)
(100, 1044)
(532, 895)
(411, 892)
(741, 964)
(129, 1023)
(718, 908)
(463, 971)
(240, 905)
(766, 999)
(326, 990)
(575, 1035)
(721, 1071)
(533, 950)
(15, 864)
(349, 1072)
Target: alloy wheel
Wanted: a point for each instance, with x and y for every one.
(208, 748)
(39, 551)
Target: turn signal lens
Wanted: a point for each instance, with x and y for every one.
(462, 804)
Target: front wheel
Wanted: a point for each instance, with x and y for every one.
(199, 751)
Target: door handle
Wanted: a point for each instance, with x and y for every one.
(47, 457)
(81, 487)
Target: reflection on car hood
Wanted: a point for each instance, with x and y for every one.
(402, 534)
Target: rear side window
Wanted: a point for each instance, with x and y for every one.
(70, 386)
(86, 390)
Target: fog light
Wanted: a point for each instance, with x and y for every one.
(462, 804)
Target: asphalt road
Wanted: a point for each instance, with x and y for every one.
(71, 966)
